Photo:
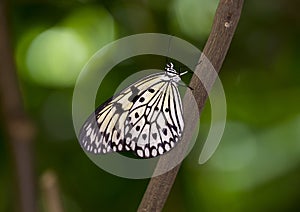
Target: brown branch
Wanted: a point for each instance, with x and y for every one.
(19, 130)
(224, 25)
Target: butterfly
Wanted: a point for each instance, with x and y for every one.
(145, 118)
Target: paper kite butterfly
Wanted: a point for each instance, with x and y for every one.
(145, 118)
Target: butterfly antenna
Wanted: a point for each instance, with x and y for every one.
(169, 46)
(168, 60)
(182, 73)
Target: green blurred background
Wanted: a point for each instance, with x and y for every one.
(257, 165)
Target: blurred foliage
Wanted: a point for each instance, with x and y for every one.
(255, 168)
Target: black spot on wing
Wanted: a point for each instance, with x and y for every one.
(118, 107)
(136, 115)
(142, 99)
(154, 135)
(151, 90)
(165, 131)
(134, 96)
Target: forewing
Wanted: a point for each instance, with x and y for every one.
(104, 130)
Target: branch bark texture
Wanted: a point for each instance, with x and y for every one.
(225, 22)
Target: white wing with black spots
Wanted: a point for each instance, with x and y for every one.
(145, 118)
(156, 125)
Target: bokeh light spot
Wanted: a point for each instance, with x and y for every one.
(94, 24)
(55, 57)
(194, 17)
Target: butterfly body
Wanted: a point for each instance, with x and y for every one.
(146, 118)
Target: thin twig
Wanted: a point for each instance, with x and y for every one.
(19, 130)
(51, 192)
(224, 25)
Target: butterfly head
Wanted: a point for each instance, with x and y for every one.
(170, 68)
(172, 73)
